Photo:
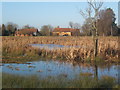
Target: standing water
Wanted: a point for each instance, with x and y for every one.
(55, 68)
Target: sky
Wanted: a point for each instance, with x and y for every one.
(38, 14)
(119, 13)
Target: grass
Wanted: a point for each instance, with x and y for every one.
(17, 81)
(0, 80)
(14, 47)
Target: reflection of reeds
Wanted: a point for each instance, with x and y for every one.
(17, 81)
(19, 46)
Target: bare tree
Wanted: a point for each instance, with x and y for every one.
(74, 25)
(0, 30)
(77, 26)
(87, 13)
(11, 27)
(95, 6)
(71, 24)
(118, 25)
(28, 27)
(46, 30)
(86, 27)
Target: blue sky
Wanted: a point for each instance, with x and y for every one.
(119, 13)
(38, 14)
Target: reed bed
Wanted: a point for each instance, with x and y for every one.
(108, 48)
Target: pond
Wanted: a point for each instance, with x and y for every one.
(51, 46)
(56, 68)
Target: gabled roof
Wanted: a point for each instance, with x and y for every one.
(65, 30)
(26, 31)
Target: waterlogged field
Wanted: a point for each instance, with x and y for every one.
(55, 74)
(59, 62)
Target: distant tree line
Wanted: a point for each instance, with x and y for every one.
(105, 24)
(46, 30)
(10, 28)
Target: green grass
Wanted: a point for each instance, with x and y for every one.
(17, 81)
(0, 80)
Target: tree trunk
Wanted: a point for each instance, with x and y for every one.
(96, 47)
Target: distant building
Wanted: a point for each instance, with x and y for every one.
(26, 32)
(66, 32)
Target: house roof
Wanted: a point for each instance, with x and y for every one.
(26, 31)
(65, 30)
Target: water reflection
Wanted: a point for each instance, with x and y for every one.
(55, 68)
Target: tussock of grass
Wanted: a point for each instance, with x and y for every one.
(16, 81)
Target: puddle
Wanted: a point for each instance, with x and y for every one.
(51, 46)
(55, 68)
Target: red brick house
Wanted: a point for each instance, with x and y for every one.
(26, 32)
(66, 32)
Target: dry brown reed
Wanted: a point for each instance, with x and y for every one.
(107, 47)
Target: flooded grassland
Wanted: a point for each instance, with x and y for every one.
(66, 62)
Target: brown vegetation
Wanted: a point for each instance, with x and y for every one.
(19, 46)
